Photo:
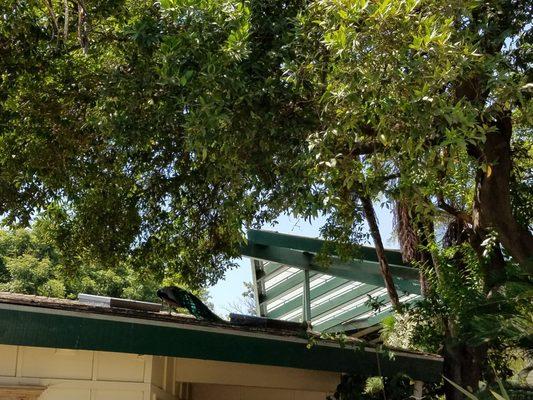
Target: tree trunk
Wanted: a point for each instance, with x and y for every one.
(463, 364)
(492, 205)
(370, 215)
(413, 232)
(425, 260)
(493, 266)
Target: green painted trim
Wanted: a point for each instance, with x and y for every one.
(405, 278)
(312, 245)
(23, 327)
(315, 292)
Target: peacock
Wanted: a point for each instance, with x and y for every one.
(181, 298)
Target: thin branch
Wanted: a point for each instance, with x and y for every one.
(53, 17)
(370, 215)
(65, 26)
(82, 27)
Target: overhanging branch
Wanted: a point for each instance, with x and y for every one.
(463, 216)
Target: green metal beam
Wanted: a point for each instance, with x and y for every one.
(306, 300)
(311, 245)
(315, 292)
(285, 286)
(379, 317)
(405, 278)
(375, 319)
(272, 267)
(259, 287)
(343, 327)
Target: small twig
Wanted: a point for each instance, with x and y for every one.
(53, 17)
(82, 27)
(65, 26)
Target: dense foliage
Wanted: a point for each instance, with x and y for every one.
(355, 387)
(31, 264)
(155, 132)
(144, 131)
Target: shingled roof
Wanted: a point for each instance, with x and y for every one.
(58, 323)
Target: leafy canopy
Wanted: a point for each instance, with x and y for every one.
(31, 264)
(158, 131)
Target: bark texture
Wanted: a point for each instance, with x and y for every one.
(414, 236)
(492, 205)
(463, 364)
(371, 219)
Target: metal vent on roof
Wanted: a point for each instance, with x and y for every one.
(114, 302)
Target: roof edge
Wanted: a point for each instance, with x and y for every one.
(31, 325)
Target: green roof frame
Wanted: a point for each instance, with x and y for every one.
(270, 246)
(315, 292)
(313, 245)
(272, 251)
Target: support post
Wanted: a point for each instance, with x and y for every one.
(259, 312)
(306, 298)
(418, 390)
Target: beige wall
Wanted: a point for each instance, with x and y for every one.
(93, 375)
(201, 391)
(77, 374)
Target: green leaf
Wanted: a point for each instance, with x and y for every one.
(502, 388)
(462, 390)
(498, 396)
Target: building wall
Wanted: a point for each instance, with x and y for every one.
(93, 375)
(202, 391)
(77, 374)
(193, 379)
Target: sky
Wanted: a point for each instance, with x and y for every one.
(228, 291)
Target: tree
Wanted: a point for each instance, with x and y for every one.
(31, 264)
(116, 134)
(246, 303)
(428, 94)
(159, 131)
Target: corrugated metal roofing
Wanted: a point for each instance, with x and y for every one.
(336, 303)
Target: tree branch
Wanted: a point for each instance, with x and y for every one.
(53, 17)
(65, 26)
(465, 217)
(370, 215)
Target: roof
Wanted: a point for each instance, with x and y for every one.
(45, 322)
(285, 268)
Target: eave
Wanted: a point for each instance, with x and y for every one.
(48, 326)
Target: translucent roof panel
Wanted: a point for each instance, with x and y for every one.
(338, 295)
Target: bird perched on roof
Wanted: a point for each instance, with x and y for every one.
(181, 298)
